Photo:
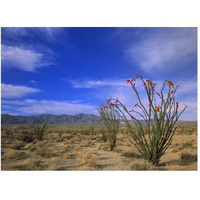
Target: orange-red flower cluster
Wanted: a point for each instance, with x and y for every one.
(107, 101)
(111, 104)
(136, 104)
(170, 84)
(132, 117)
(128, 81)
(158, 109)
(172, 91)
(105, 107)
(182, 128)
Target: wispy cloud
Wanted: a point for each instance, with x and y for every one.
(49, 34)
(161, 48)
(31, 106)
(24, 59)
(120, 89)
(15, 91)
(96, 83)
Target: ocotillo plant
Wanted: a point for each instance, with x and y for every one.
(111, 121)
(39, 129)
(153, 137)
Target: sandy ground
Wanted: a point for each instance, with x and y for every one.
(90, 153)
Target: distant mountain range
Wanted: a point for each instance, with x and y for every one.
(79, 119)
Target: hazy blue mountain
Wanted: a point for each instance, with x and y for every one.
(79, 119)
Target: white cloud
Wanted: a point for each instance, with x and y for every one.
(163, 47)
(120, 89)
(31, 106)
(24, 59)
(49, 34)
(15, 91)
(97, 83)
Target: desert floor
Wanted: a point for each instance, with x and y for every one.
(76, 148)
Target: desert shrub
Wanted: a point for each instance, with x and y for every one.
(130, 155)
(142, 167)
(18, 145)
(111, 121)
(188, 157)
(27, 136)
(103, 134)
(153, 136)
(39, 129)
(32, 148)
(188, 144)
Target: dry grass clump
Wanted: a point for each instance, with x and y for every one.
(173, 163)
(90, 159)
(188, 144)
(29, 164)
(104, 147)
(140, 167)
(129, 154)
(18, 145)
(12, 155)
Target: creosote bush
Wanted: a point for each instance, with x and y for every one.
(111, 120)
(153, 135)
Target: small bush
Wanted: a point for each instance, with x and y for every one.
(188, 157)
(142, 167)
(130, 155)
(18, 145)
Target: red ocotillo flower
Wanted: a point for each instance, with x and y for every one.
(136, 104)
(177, 86)
(105, 107)
(172, 91)
(145, 129)
(108, 101)
(149, 83)
(137, 74)
(131, 110)
(170, 84)
(149, 105)
(128, 81)
(158, 109)
(133, 84)
(182, 128)
(132, 117)
(111, 104)
(177, 105)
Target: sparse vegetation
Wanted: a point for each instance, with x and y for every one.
(76, 148)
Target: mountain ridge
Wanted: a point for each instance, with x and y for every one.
(63, 119)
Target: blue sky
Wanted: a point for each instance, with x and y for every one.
(72, 70)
